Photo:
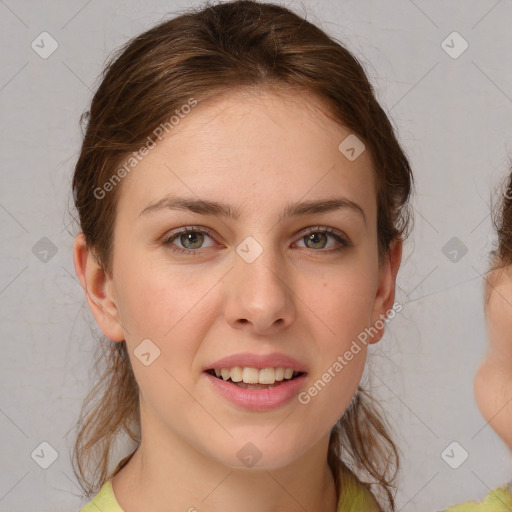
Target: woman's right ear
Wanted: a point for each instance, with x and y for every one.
(99, 290)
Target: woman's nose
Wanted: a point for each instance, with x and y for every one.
(260, 290)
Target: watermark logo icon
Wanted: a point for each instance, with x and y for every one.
(249, 249)
(454, 249)
(249, 455)
(454, 45)
(45, 455)
(147, 352)
(454, 455)
(44, 250)
(44, 45)
(351, 147)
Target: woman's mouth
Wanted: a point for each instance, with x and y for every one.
(254, 378)
(256, 396)
(257, 382)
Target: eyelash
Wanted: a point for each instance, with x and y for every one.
(345, 243)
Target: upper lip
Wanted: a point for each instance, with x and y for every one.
(248, 360)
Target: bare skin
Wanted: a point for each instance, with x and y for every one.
(257, 154)
(493, 381)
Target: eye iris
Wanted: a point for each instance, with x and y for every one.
(313, 237)
(193, 237)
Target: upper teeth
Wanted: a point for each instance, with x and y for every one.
(255, 376)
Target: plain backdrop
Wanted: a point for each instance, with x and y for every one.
(453, 112)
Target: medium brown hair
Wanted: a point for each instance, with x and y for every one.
(501, 255)
(202, 54)
(502, 221)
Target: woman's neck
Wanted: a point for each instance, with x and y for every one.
(179, 478)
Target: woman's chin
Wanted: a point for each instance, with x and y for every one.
(254, 456)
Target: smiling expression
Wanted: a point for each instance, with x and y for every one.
(279, 260)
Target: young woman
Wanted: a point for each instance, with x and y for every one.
(242, 200)
(493, 380)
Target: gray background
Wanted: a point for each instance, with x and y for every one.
(454, 118)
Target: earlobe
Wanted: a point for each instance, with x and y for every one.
(98, 289)
(385, 296)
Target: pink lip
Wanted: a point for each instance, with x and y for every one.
(257, 399)
(247, 360)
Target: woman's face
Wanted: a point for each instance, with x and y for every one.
(493, 380)
(253, 175)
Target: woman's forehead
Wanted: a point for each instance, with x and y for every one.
(253, 151)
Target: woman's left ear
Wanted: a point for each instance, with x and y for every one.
(385, 296)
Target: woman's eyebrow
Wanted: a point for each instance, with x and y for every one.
(206, 207)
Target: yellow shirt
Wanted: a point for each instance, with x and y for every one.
(355, 498)
(499, 500)
(105, 501)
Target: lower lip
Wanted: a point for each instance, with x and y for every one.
(258, 399)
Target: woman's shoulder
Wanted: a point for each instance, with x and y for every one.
(104, 500)
(498, 500)
(355, 496)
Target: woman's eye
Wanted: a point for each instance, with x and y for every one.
(189, 238)
(317, 238)
(192, 239)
